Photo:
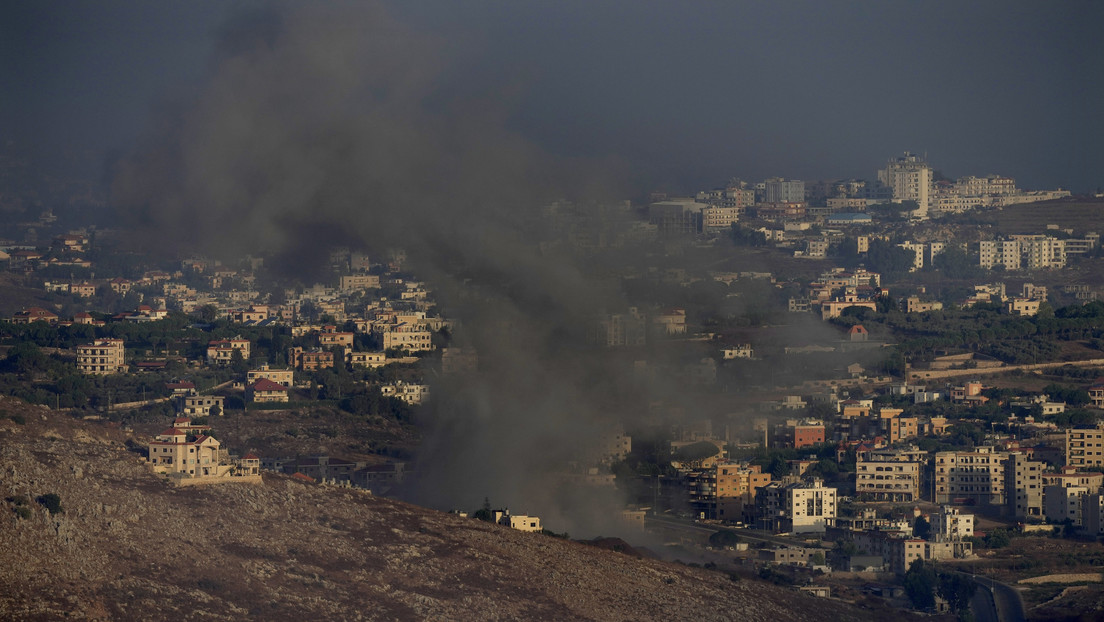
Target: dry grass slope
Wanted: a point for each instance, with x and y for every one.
(129, 546)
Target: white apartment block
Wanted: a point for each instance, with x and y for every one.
(798, 508)
(999, 252)
(1040, 251)
(910, 179)
(950, 523)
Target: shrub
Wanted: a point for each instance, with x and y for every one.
(51, 501)
(23, 512)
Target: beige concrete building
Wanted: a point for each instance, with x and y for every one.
(266, 391)
(353, 282)
(970, 476)
(371, 360)
(883, 478)
(285, 377)
(221, 352)
(725, 491)
(1024, 482)
(102, 357)
(195, 405)
(409, 337)
(1085, 447)
(175, 451)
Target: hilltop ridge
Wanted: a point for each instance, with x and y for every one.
(128, 545)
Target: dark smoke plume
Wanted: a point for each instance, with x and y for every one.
(325, 125)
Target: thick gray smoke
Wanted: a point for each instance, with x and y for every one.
(334, 125)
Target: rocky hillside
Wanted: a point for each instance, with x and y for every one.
(124, 544)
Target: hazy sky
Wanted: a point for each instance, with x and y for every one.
(687, 94)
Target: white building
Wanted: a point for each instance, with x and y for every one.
(950, 523)
(798, 508)
(910, 179)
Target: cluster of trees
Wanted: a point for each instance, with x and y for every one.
(924, 580)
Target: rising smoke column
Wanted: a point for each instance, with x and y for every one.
(332, 124)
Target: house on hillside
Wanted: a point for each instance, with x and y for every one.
(34, 314)
(188, 454)
(521, 522)
(266, 391)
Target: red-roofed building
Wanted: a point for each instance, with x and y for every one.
(265, 390)
(306, 479)
(84, 317)
(858, 333)
(34, 314)
(250, 464)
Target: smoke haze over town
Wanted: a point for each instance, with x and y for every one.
(639, 243)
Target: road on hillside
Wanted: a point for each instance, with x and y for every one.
(995, 601)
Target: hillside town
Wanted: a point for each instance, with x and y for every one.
(892, 374)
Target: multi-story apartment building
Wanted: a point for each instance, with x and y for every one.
(888, 476)
(1062, 503)
(719, 219)
(102, 357)
(353, 282)
(799, 508)
(1040, 251)
(778, 190)
(331, 337)
(310, 360)
(1085, 447)
(910, 179)
(970, 476)
(999, 252)
(803, 433)
(221, 351)
(951, 524)
(195, 405)
(1024, 480)
(1070, 476)
(410, 337)
(983, 186)
(725, 491)
(371, 360)
(285, 377)
(1023, 251)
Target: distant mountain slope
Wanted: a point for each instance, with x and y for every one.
(127, 545)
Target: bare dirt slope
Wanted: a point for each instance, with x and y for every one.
(129, 546)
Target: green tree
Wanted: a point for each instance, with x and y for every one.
(957, 590)
(997, 539)
(921, 528)
(920, 583)
(484, 513)
(724, 538)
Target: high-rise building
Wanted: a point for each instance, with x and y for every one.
(778, 190)
(910, 179)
